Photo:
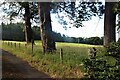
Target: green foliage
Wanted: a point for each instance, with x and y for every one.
(101, 67)
(117, 7)
(94, 41)
(114, 50)
(36, 31)
(77, 11)
(16, 9)
(15, 31)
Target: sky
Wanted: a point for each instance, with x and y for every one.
(92, 28)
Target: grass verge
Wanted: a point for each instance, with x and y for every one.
(73, 54)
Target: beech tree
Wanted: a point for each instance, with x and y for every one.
(21, 9)
(48, 42)
(109, 23)
(27, 17)
(76, 15)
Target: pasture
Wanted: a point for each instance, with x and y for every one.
(73, 55)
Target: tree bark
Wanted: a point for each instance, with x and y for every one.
(28, 29)
(48, 42)
(109, 23)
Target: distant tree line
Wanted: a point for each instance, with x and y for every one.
(16, 31)
(13, 32)
(91, 40)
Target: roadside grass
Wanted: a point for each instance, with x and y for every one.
(73, 54)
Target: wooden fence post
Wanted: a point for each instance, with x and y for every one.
(19, 45)
(61, 55)
(32, 45)
(26, 45)
(15, 44)
(92, 52)
(11, 44)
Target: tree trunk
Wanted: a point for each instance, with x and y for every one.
(109, 23)
(48, 42)
(28, 30)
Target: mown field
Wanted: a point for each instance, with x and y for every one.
(73, 55)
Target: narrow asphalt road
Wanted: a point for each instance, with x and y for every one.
(13, 67)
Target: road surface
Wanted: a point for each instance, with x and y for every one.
(13, 67)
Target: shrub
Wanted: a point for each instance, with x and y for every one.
(99, 67)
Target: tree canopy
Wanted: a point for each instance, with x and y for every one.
(76, 12)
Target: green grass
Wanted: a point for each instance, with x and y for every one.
(50, 63)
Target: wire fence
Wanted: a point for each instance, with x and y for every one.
(32, 48)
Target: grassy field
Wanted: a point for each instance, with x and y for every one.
(73, 54)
